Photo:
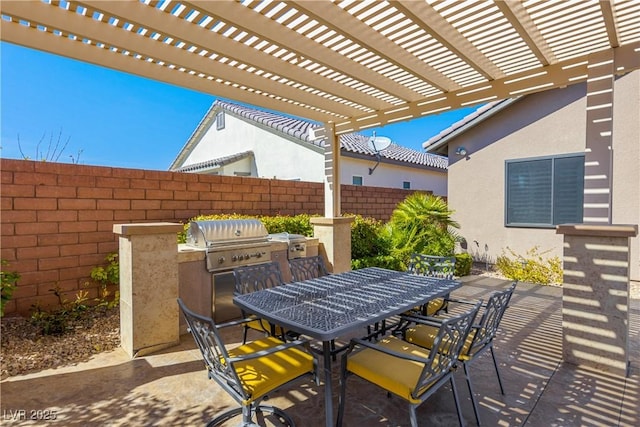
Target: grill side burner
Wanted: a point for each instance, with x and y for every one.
(296, 244)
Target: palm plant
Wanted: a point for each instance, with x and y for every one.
(422, 223)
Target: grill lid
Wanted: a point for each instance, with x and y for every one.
(212, 233)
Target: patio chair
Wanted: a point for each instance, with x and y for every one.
(253, 278)
(480, 339)
(433, 266)
(409, 371)
(307, 268)
(249, 372)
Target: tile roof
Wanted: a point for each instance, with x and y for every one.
(214, 163)
(355, 143)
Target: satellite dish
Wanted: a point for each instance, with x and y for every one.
(378, 143)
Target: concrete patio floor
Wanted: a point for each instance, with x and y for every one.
(170, 388)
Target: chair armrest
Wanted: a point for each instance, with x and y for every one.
(360, 342)
(276, 349)
(461, 301)
(423, 320)
(235, 322)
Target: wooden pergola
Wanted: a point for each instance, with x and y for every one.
(351, 65)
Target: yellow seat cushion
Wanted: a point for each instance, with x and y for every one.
(433, 307)
(261, 375)
(264, 326)
(424, 335)
(399, 376)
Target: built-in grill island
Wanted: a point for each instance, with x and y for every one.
(215, 247)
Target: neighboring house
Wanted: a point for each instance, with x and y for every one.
(516, 169)
(234, 139)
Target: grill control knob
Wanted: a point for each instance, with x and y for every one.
(221, 260)
(234, 258)
(246, 256)
(258, 254)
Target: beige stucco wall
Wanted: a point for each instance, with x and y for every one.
(542, 124)
(626, 160)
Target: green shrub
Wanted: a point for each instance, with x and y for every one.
(58, 321)
(366, 238)
(296, 224)
(532, 268)
(106, 276)
(8, 284)
(383, 261)
(464, 262)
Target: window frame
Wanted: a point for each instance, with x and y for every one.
(220, 120)
(553, 159)
(406, 185)
(353, 177)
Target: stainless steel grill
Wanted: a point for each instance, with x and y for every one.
(296, 243)
(230, 243)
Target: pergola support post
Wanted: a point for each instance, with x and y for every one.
(333, 231)
(595, 296)
(149, 312)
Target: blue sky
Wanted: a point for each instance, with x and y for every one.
(110, 118)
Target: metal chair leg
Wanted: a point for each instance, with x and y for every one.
(247, 415)
(455, 399)
(473, 397)
(413, 416)
(495, 363)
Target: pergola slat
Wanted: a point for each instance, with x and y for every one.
(354, 64)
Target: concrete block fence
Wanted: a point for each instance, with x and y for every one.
(57, 218)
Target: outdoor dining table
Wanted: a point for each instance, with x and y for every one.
(332, 306)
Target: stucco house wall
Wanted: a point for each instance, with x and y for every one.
(274, 155)
(392, 176)
(268, 145)
(547, 123)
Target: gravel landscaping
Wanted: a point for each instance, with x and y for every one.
(25, 349)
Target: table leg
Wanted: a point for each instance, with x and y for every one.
(328, 388)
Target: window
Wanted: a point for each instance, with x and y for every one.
(356, 180)
(220, 120)
(406, 185)
(544, 192)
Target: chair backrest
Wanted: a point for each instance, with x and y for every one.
(307, 268)
(211, 346)
(447, 346)
(487, 327)
(253, 278)
(431, 265)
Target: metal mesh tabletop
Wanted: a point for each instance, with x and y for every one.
(329, 306)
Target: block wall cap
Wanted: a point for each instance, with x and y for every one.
(613, 230)
(332, 221)
(147, 228)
